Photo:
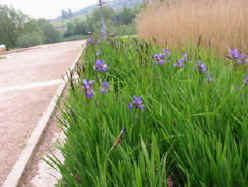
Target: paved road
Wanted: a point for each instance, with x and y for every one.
(28, 81)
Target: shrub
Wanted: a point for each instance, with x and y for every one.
(123, 30)
(29, 39)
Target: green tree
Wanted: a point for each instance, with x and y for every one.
(51, 35)
(30, 34)
(94, 20)
(19, 30)
(29, 39)
(80, 27)
(65, 14)
(11, 24)
(126, 16)
(70, 29)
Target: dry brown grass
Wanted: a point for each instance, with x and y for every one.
(221, 24)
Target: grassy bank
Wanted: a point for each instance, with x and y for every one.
(75, 37)
(164, 116)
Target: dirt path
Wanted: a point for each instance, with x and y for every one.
(28, 81)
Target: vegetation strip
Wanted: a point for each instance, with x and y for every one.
(141, 115)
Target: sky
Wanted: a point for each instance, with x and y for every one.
(47, 8)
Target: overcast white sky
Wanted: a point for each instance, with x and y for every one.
(46, 8)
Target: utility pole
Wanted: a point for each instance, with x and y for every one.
(103, 29)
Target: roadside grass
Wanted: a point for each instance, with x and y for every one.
(129, 36)
(2, 57)
(75, 37)
(191, 124)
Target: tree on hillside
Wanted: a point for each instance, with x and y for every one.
(29, 39)
(108, 13)
(80, 27)
(117, 22)
(94, 20)
(70, 29)
(36, 32)
(70, 13)
(51, 35)
(126, 16)
(19, 30)
(30, 34)
(11, 23)
(66, 14)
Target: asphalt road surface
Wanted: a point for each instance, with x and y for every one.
(28, 81)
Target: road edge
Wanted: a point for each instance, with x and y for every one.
(15, 175)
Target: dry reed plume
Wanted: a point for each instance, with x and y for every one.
(221, 24)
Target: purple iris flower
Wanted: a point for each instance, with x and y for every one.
(179, 63)
(167, 52)
(90, 39)
(161, 58)
(246, 80)
(137, 102)
(185, 57)
(201, 67)
(156, 56)
(100, 66)
(105, 87)
(234, 54)
(161, 62)
(209, 79)
(88, 88)
(241, 59)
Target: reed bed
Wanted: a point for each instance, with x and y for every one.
(217, 24)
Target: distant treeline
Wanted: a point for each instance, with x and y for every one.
(18, 30)
(67, 14)
(117, 22)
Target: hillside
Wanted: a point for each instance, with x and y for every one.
(115, 4)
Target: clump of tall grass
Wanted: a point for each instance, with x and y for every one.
(139, 115)
(220, 24)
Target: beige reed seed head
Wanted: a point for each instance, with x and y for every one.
(220, 24)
